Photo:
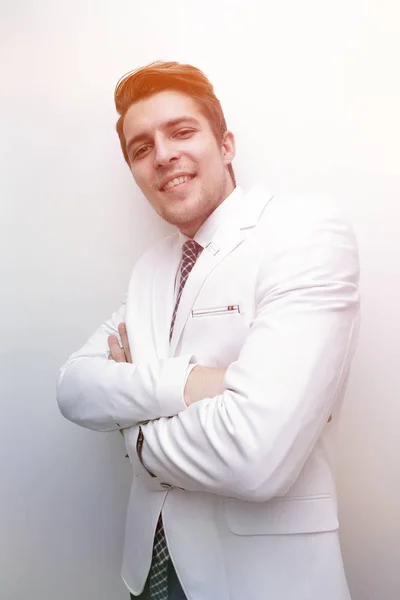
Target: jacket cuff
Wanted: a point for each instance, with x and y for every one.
(171, 386)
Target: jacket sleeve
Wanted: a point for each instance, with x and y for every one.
(252, 441)
(104, 395)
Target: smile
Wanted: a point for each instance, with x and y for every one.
(177, 182)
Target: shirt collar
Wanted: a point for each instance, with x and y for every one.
(205, 233)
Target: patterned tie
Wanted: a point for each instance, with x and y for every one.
(158, 581)
(190, 252)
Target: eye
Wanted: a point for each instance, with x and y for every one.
(184, 133)
(140, 152)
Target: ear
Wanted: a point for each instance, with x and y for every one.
(228, 147)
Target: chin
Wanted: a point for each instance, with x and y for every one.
(182, 217)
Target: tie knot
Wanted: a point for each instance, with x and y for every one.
(191, 251)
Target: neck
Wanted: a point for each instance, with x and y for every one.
(190, 229)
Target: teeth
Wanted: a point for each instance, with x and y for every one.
(176, 181)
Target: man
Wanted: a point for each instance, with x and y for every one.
(226, 365)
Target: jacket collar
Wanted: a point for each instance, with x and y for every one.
(228, 229)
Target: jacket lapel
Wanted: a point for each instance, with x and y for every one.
(228, 236)
(163, 296)
(212, 255)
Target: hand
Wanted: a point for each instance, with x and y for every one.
(203, 382)
(118, 353)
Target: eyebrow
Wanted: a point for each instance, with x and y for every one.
(166, 125)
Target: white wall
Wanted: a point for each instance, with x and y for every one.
(311, 90)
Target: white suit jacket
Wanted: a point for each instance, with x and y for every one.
(244, 480)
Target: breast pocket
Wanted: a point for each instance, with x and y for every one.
(216, 311)
(215, 334)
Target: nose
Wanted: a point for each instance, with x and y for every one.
(165, 152)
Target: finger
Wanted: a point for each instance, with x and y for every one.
(125, 342)
(117, 352)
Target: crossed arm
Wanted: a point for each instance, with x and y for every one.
(111, 395)
(202, 382)
(245, 433)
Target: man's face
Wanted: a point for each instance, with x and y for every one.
(176, 160)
